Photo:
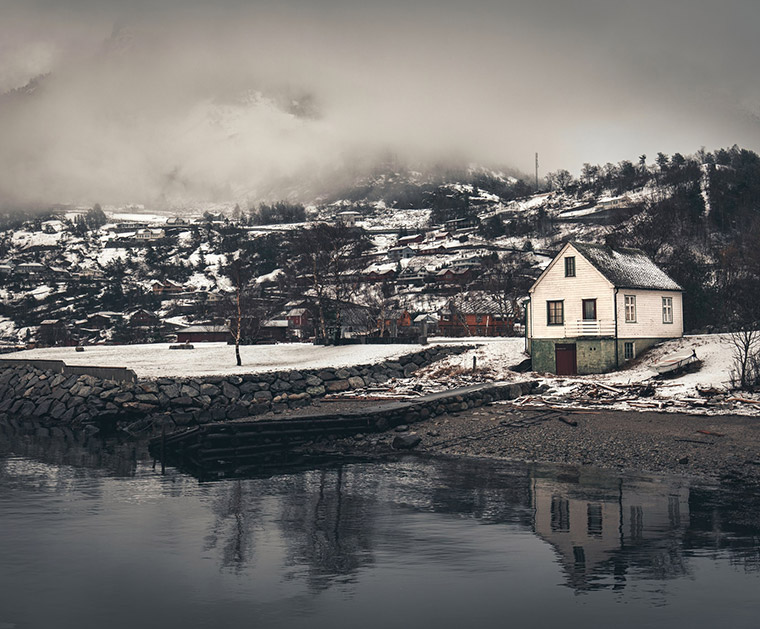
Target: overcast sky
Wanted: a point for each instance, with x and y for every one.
(232, 99)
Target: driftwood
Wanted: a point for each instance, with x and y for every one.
(743, 399)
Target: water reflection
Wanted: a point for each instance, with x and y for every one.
(456, 533)
(604, 529)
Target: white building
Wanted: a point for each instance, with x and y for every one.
(594, 308)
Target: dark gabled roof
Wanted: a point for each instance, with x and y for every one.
(478, 303)
(626, 268)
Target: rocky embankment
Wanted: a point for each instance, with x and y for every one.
(32, 391)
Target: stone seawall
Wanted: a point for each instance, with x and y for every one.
(30, 391)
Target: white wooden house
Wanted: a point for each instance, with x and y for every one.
(594, 308)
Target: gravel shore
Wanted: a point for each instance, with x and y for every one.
(724, 447)
(700, 446)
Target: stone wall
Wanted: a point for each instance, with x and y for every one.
(29, 391)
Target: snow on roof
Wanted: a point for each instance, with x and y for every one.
(425, 317)
(479, 304)
(203, 328)
(626, 268)
(270, 277)
(275, 323)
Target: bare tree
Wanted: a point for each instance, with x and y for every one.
(330, 257)
(745, 371)
(239, 274)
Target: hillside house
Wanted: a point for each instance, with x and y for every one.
(149, 235)
(143, 318)
(410, 240)
(374, 274)
(348, 218)
(426, 323)
(299, 323)
(167, 287)
(31, 268)
(410, 275)
(53, 332)
(476, 315)
(206, 333)
(594, 308)
(453, 276)
(401, 253)
(103, 320)
(394, 322)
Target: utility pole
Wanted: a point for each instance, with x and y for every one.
(536, 172)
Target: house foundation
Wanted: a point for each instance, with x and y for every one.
(592, 355)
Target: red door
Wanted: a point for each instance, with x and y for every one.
(566, 361)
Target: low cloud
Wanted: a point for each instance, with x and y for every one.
(228, 103)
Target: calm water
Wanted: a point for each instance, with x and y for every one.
(91, 537)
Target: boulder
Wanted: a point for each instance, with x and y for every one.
(338, 385)
(406, 442)
(356, 382)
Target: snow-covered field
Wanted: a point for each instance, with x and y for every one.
(494, 357)
(679, 393)
(156, 360)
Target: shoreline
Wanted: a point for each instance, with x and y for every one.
(708, 447)
(705, 447)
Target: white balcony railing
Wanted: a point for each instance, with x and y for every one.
(589, 328)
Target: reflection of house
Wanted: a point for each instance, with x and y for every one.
(210, 333)
(592, 523)
(476, 315)
(595, 307)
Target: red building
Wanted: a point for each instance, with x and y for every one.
(476, 315)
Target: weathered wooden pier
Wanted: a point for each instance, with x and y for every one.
(274, 442)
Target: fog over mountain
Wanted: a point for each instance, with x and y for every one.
(185, 100)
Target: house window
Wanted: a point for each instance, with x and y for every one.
(555, 313)
(560, 514)
(570, 266)
(667, 310)
(630, 308)
(589, 309)
(629, 350)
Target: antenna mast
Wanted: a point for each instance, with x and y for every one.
(536, 172)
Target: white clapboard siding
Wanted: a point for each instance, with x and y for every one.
(588, 283)
(649, 322)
